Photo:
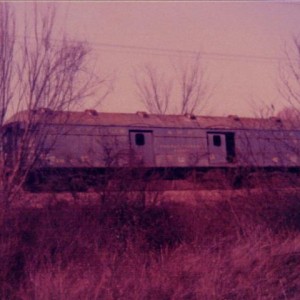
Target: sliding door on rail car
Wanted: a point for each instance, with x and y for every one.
(221, 147)
(141, 142)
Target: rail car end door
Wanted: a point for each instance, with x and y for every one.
(141, 142)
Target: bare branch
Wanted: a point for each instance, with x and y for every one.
(156, 92)
(194, 90)
(40, 72)
(153, 90)
(7, 44)
(289, 74)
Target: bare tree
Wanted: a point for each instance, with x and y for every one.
(7, 45)
(193, 86)
(154, 91)
(38, 72)
(289, 75)
(158, 94)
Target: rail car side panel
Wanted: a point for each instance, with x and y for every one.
(87, 146)
(268, 148)
(99, 146)
(180, 147)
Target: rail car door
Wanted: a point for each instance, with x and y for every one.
(141, 142)
(221, 147)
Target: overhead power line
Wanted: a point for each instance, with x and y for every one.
(179, 52)
(169, 51)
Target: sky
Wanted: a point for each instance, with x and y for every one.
(240, 44)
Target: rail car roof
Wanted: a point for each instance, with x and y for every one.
(142, 119)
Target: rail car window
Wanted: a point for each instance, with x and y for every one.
(140, 139)
(217, 140)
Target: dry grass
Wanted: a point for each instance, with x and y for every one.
(245, 248)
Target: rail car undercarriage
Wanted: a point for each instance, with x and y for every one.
(158, 179)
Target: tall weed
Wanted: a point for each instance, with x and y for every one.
(237, 248)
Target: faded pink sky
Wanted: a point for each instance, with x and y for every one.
(248, 29)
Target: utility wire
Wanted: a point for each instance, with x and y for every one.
(168, 51)
(122, 48)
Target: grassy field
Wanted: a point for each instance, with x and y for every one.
(242, 248)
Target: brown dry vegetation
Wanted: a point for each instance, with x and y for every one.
(242, 248)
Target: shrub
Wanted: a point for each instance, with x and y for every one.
(237, 248)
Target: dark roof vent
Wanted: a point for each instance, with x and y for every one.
(275, 119)
(234, 117)
(142, 114)
(91, 112)
(190, 116)
(41, 110)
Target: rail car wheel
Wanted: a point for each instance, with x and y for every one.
(237, 178)
(77, 183)
(283, 179)
(34, 183)
(271, 179)
(56, 184)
